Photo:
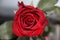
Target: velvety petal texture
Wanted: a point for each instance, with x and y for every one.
(29, 21)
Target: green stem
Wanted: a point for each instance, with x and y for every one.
(42, 38)
(34, 38)
(23, 38)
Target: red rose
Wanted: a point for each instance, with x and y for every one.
(29, 21)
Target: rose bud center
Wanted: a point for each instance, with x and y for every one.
(29, 20)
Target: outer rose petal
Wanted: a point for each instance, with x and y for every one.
(16, 30)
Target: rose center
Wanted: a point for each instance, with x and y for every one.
(29, 20)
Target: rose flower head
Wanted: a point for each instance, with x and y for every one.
(29, 21)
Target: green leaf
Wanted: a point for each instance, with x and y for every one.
(9, 27)
(47, 30)
(5, 30)
(57, 10)
(47, 5)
